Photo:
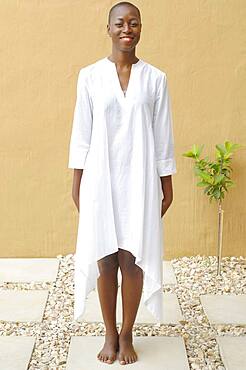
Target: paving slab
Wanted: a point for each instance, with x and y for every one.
(15, 352)
(22, 305)
(159, 353)
(232, 351)
(225, 308)
(168, 273)
(172, 311)
(28, 269)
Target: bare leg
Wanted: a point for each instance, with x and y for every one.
(107, 286)
(131, 288)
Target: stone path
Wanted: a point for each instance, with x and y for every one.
(153, 353)
(172, 312)
(204, 328)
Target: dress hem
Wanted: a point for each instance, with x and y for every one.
(86, 283)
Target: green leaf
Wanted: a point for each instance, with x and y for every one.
(195, 150)
(207, 189)
(218, 179)
(235, 146)
(229, 182)
(189, 154)
(205, 176)
(230, 185)
(221, 149)
(228, 145)
(227, 155)
(200, 148)
(217, 154)
(216, 193)
(201, 183)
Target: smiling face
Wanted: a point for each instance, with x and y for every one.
(124, 27)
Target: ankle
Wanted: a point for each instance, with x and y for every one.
(125, 334)
(111, 332)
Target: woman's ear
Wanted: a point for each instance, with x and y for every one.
(108, 30)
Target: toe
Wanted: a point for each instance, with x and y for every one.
(112, 358)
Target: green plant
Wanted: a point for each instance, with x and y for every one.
(215, 177)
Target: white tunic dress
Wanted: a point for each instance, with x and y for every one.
(124, 143)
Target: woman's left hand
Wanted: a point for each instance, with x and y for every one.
(164, 207)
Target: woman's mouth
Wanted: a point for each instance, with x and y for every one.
(127, 39)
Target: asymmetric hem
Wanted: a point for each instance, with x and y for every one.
(124, 143)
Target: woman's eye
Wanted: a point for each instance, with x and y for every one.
(120, 25)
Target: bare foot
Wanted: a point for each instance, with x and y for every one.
(109, 351)
(127, 354)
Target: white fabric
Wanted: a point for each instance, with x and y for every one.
(124, 143)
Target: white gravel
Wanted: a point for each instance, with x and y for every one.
(195, 275)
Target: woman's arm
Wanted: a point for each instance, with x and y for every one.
(163, 131)
(166, 184)
(164, 142)
(77, 175)
(81, 134)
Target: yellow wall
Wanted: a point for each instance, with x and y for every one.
(199, 44)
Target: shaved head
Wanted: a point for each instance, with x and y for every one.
(126, 3)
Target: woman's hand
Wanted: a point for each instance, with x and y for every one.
(76, 201)
(167, 189)
(78, 173)
(164, 207)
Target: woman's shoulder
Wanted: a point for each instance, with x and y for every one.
(90, 69)
(154, 70)
(90, 72)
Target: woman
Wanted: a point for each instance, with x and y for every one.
(122, 154)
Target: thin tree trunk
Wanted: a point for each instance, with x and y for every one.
(220, 230)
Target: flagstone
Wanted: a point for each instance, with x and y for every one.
(172, 311)
(28, 269)
(15, 352)
(157, 353)
(232, 351)
(22, 305)
(168, 273)
(225, 308)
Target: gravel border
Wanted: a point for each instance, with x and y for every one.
(196, 275)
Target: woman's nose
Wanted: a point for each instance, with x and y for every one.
(126, 27)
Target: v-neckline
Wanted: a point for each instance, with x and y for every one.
(123, 93)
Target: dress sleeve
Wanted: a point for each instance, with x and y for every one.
(81, 126)
(163, 130)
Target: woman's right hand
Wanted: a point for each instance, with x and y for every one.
(76, 201)
(76, 186)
